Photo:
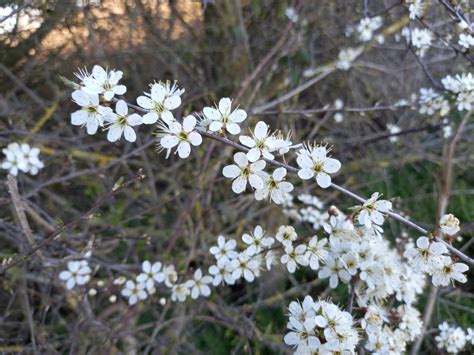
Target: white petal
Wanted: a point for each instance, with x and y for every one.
(211, 113)
(323, 180)
(239, 185)
(121, 108)
(261, 130)
(247, 141)
(92, 125)
(81, 98)
(71, 283)
(224, 105)
(129, 134)
(145, 102)
(232, 128)
(238, 116)
(215, 126)
(65, 275)
(184, 149)
(108, 95)
(189, 123)
(195, 138)
(231, 171)
(253, 154)
(158, 93)
(306, 174)
(120, 89)
(255, 181)
(172, 102)
(114, 134)
(79, 117)
(279, 174)
(99, 73)
(169, 141)
(332, 166)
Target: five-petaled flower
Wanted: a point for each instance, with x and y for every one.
(160, 101)
(313, 161)
(243, 171)
(274, 186)
(121, 123)
(181, 135)
(222, 117)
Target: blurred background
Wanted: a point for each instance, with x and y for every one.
(267, 56)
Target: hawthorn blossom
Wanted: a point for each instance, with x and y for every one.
(223, 118)
(92, 114)
(313, 161)
(262, 143)
(179, 292)
(286, 235)
(222, 272)
(121, 123)
(160, 101)
(449, 224)
(426, 256)
(316, 252)
(372, 211)
(182, 136)
(134, 292)
(256, 241)
(224, 250)
(245, 266)
(334, 270)
(368, 26)
(151, 274)
(102, 82)
(274, 186)
(77, 273)
(171, 276)
(21, 158)
(294, 256)
(244, 171)
(449, 271)
(199, 285)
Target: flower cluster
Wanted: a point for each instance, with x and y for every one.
(367, 26)
(432, 257)
(21, 158)
(320, 327)
(453, 339)
(421, 39)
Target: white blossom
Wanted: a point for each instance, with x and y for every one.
(151, 274)
(77, 273)
(182, 136)
(160, 101)
(256, 241)
(199, 284)
(313, 161)
(274, 186)
(102, 82)
(223, 118)
(244, 171)
(134, 292)
(262, 143)
(449, 224)
(92, 114)
(224, 250)
(121, 123)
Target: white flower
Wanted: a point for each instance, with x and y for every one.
(394, 130)
(466, 40)
(334, 269)
(244, 171)
(294, 256)
(290, 12)
(78, 273)
(367, 26)
(222, 272)
(451, 338)
(121, 123)
(416, 8)
(171, 276)
(91, 114)
(449, 224)
(134, 292)
(222, 117)
(274, 186)
(256, 241)
(286, 235)
(313, 161)
(427, 255)
(447, 271)
(180, 292)
(372, 211)
(160, 101)
(21, 158)
(372, 273)
(150, 275)
(245, 266)
(346, 57)
(199, 285)
(102, 82)
(316, 252)
(260, 144)
(180, 135)
(224, 250)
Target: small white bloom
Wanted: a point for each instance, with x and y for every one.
(261, 143)
(313, 161)
(103, 82)
(316, 252)
(199, 285)
(426, 256)
(286, 235)
(334, 269)
(294, 256)
(180, 135)
(134, 292)
(224, 250)
(160, 101)
(91, 114)
(245, 266)
(449, 224)
(121, 123)
(222, 272)
(448, 271)
(222, 117)
(171, 276)
(151, 274)
(244, 171)
(180, 292)
(274, 186)
(78, 273)
(373, 210)
(256, 241)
